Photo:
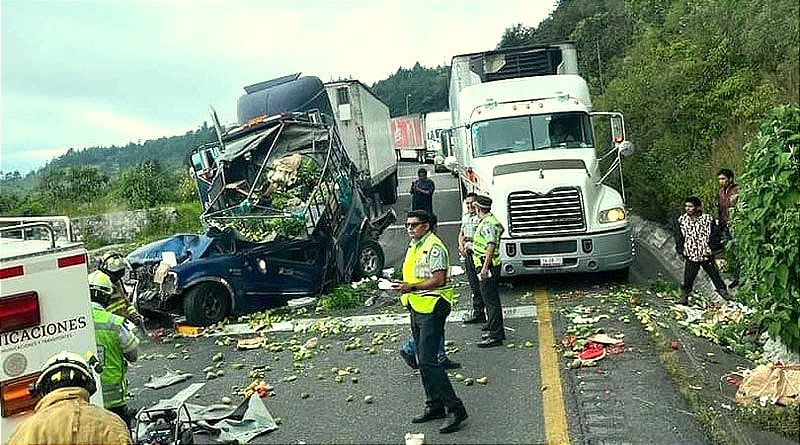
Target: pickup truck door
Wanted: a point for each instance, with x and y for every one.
(281, 274)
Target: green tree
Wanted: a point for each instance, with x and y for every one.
(766, 225)
(145, 185)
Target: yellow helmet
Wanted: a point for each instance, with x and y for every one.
(100, 287)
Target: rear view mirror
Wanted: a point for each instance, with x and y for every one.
(625, 148)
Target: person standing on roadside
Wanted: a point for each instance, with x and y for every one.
(469, 221)
(697, 240)
(486, 257)
(728, 193)
(428, 296)
(422, 192)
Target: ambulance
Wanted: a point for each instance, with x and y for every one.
(44, 308)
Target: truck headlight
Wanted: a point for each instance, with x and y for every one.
(613, 215)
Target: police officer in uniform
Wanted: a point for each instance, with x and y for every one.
(469, 221)
(428, 295)
(116, 346)
(486, 255)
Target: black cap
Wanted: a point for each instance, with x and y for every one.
(484, 202)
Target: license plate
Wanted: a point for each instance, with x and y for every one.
(552, 261)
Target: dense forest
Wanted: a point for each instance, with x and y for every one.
(692, 78)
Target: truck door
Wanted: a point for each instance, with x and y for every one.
(277, 274)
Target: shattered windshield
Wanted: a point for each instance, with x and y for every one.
(528, 133)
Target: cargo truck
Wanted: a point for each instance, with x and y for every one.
(363, 123)
(407, 137)
(524, 134)
(286, 213)
(436, 125)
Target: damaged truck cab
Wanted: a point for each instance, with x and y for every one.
(286, 216)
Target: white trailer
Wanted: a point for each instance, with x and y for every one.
(435, 125)
(363, 123)
(524, 135)
(44, 309)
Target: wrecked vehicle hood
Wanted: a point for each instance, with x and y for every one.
(184, 246)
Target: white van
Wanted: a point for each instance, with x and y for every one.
(44, 308)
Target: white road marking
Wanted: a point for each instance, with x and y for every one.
(435, 192)
(446, 223)
(300, 324)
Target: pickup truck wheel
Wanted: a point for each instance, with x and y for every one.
(206, 304)
(370, 259)
(389, 190)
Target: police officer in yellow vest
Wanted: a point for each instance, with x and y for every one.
(116, 346)
(428, 296)
(486, 254)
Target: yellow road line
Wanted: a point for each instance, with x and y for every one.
(555, 415)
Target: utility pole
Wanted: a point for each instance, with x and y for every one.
(408, 96)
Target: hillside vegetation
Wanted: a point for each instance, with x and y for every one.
(692, 78)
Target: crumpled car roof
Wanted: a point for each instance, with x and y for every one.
(182, 245)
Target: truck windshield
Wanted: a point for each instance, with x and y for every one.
(528, 133)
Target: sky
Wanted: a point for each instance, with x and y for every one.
(76, 74)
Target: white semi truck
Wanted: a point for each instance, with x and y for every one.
(435, 125)
(524, 134)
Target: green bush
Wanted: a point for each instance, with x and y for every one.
(766, 225)
(340, 298)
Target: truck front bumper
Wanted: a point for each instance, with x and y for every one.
(598, 252)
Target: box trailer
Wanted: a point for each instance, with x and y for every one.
(363, 123)
(407, 139)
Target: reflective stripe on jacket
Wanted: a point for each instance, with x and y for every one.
(416, 269)
(110, 351)
(65, 416)
(480, 243)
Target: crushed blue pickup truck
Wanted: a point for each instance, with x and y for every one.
(286, 217)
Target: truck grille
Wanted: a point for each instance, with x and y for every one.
(558, 212)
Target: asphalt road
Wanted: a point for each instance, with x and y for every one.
(627, 399)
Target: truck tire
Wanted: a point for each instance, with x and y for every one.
(389, 190)
(370, 259)
(206, 304)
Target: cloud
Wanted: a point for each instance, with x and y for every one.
(103, 73)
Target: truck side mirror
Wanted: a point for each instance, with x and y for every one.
(625, 148)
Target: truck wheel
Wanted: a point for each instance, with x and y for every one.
(389, 190)
(370, 259)
(206, 304)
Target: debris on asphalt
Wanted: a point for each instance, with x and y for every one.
(250, 343)
(414, 438)
(226, 400)
(367, 399)
(482, 380)
(349, 398)
(774, 384)
(217, 357)
(168, 379)
(605, 339)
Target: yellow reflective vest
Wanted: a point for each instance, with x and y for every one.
(480, 243)
(416, 269)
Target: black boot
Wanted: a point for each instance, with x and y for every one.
(475, 318)
(430, 414)
(452, 424)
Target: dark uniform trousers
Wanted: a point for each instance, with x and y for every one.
(494, 311)
(478, 307)
(428, 330)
